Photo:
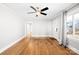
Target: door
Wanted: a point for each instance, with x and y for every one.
(28, 30)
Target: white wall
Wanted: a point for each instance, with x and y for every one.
(40, 28)
(11, 27)
(56, 23)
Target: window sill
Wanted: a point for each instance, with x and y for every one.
(73, 36)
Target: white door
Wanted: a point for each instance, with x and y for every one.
(28, 29)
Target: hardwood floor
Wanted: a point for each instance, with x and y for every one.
(38, 46)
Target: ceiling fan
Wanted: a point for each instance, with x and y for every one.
(38, 11)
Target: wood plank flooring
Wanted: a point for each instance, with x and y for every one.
(38, 46)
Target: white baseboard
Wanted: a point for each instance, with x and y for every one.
(74, 49)
(57, 39)
(8, 46)
(40, 35)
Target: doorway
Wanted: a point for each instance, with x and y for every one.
(28, 30)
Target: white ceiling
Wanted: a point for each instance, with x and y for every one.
(21, 9)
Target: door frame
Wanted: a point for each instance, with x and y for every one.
(26, 28)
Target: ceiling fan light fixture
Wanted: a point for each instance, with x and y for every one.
(39, 11)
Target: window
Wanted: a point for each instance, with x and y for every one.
(69, 25)
(72, 24)
(76, 23)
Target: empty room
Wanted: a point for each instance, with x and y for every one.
(39, 28)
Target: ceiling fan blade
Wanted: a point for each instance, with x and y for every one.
(31, 12)
(46, 8)
(43, 13)
(33, 8)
